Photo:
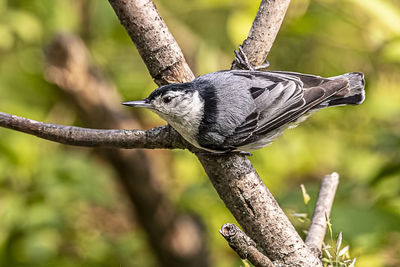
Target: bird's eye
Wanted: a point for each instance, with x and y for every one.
(167, 99)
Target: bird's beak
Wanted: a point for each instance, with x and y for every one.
(139, 104)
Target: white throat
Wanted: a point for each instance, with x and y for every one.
(187, 124)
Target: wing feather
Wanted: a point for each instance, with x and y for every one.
(272, 100)
(256, 92)
(245, 130)
(311, 98)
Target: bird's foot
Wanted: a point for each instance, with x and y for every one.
(242, 62)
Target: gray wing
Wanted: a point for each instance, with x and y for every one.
(308, 80)
(284, 101)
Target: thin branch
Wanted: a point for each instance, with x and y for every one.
(158, 137)
(263, 32)
(317, 229)
(244, 246)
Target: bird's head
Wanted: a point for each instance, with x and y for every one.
(172, 102)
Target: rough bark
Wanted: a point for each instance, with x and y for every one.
(256, 210)
(158, 137)
(244, 246)
(156, 45)
(326, 195)
(98, 103)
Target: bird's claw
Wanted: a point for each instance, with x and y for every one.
(242, 62)
(262, 67)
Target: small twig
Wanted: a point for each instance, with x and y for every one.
(244, 246)
(317, 230)
(158, 137)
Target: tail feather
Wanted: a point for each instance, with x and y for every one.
(355, 95)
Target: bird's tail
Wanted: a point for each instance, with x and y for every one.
(353, 95)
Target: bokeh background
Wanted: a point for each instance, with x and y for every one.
(61, 206)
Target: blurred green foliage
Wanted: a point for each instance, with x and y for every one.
(59, 205)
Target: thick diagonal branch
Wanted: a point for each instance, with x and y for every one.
(256, 210)
(326, 195)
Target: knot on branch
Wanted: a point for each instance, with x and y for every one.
(236, 238)
(244, 246)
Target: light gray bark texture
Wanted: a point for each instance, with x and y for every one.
(256, 210)
(244, 246)
(158, 137)
(326, 195)
(156, 45)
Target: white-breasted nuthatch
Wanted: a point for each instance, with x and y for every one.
(244, 110)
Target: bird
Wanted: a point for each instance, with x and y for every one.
(245, 110)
